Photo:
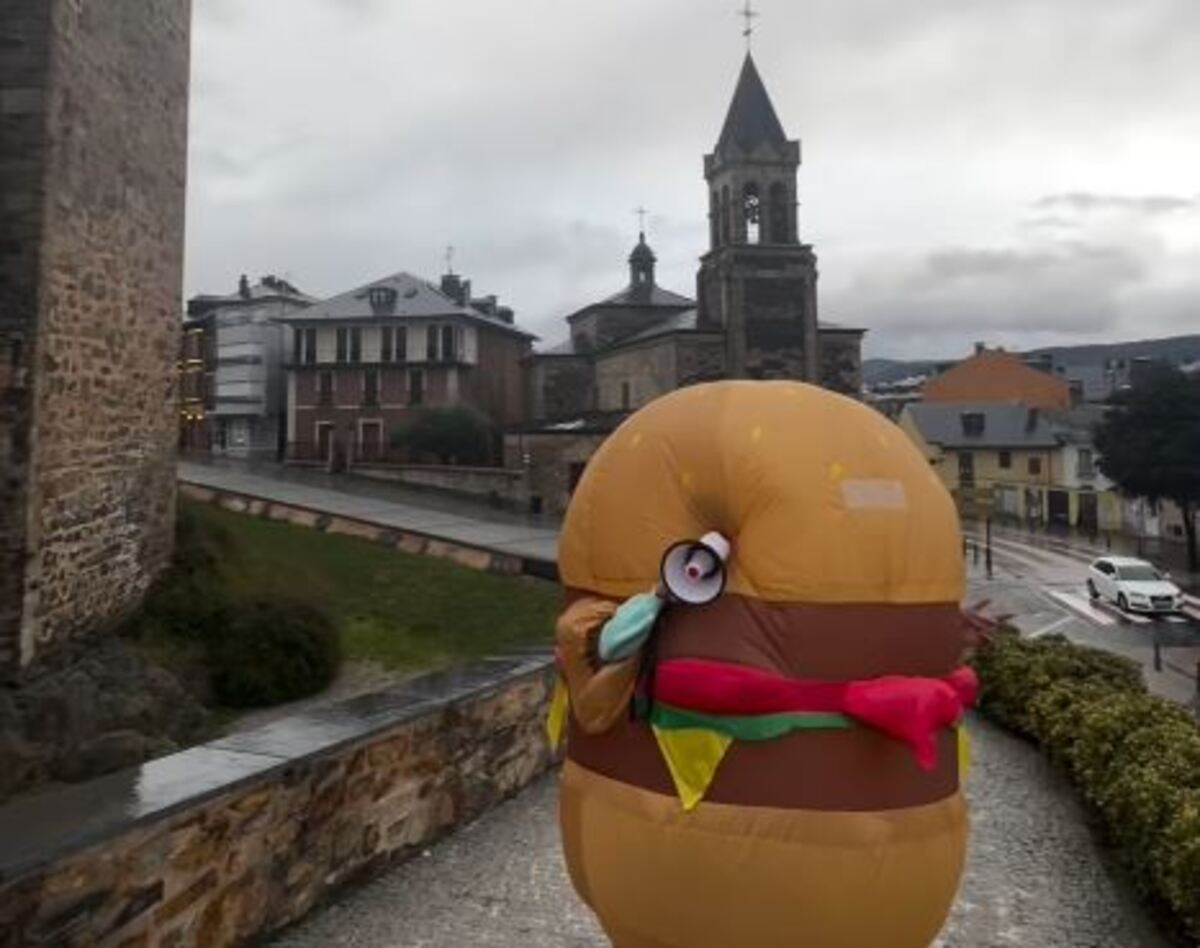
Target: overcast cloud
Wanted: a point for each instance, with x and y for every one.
(1023, 172)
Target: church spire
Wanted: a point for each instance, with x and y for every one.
(751, 120)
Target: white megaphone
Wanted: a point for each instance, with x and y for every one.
(693, 571)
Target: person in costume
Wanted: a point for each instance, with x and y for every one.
(763, 726)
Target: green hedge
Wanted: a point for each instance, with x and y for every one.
(1135, 757)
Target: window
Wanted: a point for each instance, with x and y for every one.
(383, 299)
(310, 347)
(966, 469)
(416, 387)
(356, 345)
(385, 344)
(325, 388)
(401, 343)
(780, 213)
(448, 352)
(972, 423)
(1087, 466)
(297, 347)
(370, 386)
(625, 399)
(431, 343)
(1005, 460)
(1035, 466)
(341, 345)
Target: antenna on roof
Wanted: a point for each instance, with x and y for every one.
(749, 14)
(450, 259)
(641, 213)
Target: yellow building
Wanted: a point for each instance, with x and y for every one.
(1017, 462)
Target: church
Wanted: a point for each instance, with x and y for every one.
(754, 315)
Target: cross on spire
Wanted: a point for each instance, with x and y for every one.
(641, 213)
(749, 14)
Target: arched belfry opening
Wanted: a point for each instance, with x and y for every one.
(751, 214)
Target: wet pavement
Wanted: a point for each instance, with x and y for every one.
(463, 521)
(1035, 877)
(1042, 581)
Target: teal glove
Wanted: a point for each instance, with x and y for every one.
(629, 627)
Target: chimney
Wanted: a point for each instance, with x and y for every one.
(506, 314)
(980, 348)
(452, 286)
(244, 287)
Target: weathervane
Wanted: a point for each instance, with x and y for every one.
(641, 213)
(749, 14)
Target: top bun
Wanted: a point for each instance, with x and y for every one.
(823, 499)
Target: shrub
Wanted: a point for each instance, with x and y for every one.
(1135, 757)
(189, 600)
(272, 651)
(456, 435)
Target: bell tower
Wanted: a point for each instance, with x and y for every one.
(757, 282)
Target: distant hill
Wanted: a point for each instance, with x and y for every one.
(883, 371)
(1176, 349)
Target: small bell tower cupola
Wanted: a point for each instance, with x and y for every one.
(641, 266)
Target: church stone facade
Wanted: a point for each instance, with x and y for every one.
(754, 317)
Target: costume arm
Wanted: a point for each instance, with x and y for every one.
(600, 692)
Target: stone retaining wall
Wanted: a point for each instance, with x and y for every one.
(224, 843)
(502, 487)
(408, 541)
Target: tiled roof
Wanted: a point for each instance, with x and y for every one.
(415, 298)
(1003, 426)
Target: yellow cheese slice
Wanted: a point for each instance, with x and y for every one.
(692, 756)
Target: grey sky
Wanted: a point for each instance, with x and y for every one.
(1020, 171)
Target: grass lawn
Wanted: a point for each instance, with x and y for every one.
(403, 611)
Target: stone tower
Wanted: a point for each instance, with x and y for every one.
(93, 155)
(757, 282)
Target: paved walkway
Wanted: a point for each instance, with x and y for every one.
(392, 506)
(1035, 877)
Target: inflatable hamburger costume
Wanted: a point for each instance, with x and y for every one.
(763, 745)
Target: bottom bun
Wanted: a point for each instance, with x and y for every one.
(723, 876)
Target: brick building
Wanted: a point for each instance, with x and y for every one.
(93, 146)
(362, 361)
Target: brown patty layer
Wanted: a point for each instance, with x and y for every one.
(854, 769)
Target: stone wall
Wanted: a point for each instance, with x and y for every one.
(224, 843)
(24, 65)
(407, 541)
(91, 246)
(555, 459)
(500, 486)
(559, 387)
(841, 362)
(643, 371)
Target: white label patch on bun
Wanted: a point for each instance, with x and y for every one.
(873, 495)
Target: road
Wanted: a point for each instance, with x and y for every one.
(391, 505)
(1041, 581)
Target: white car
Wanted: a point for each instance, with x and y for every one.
(1134, 585)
